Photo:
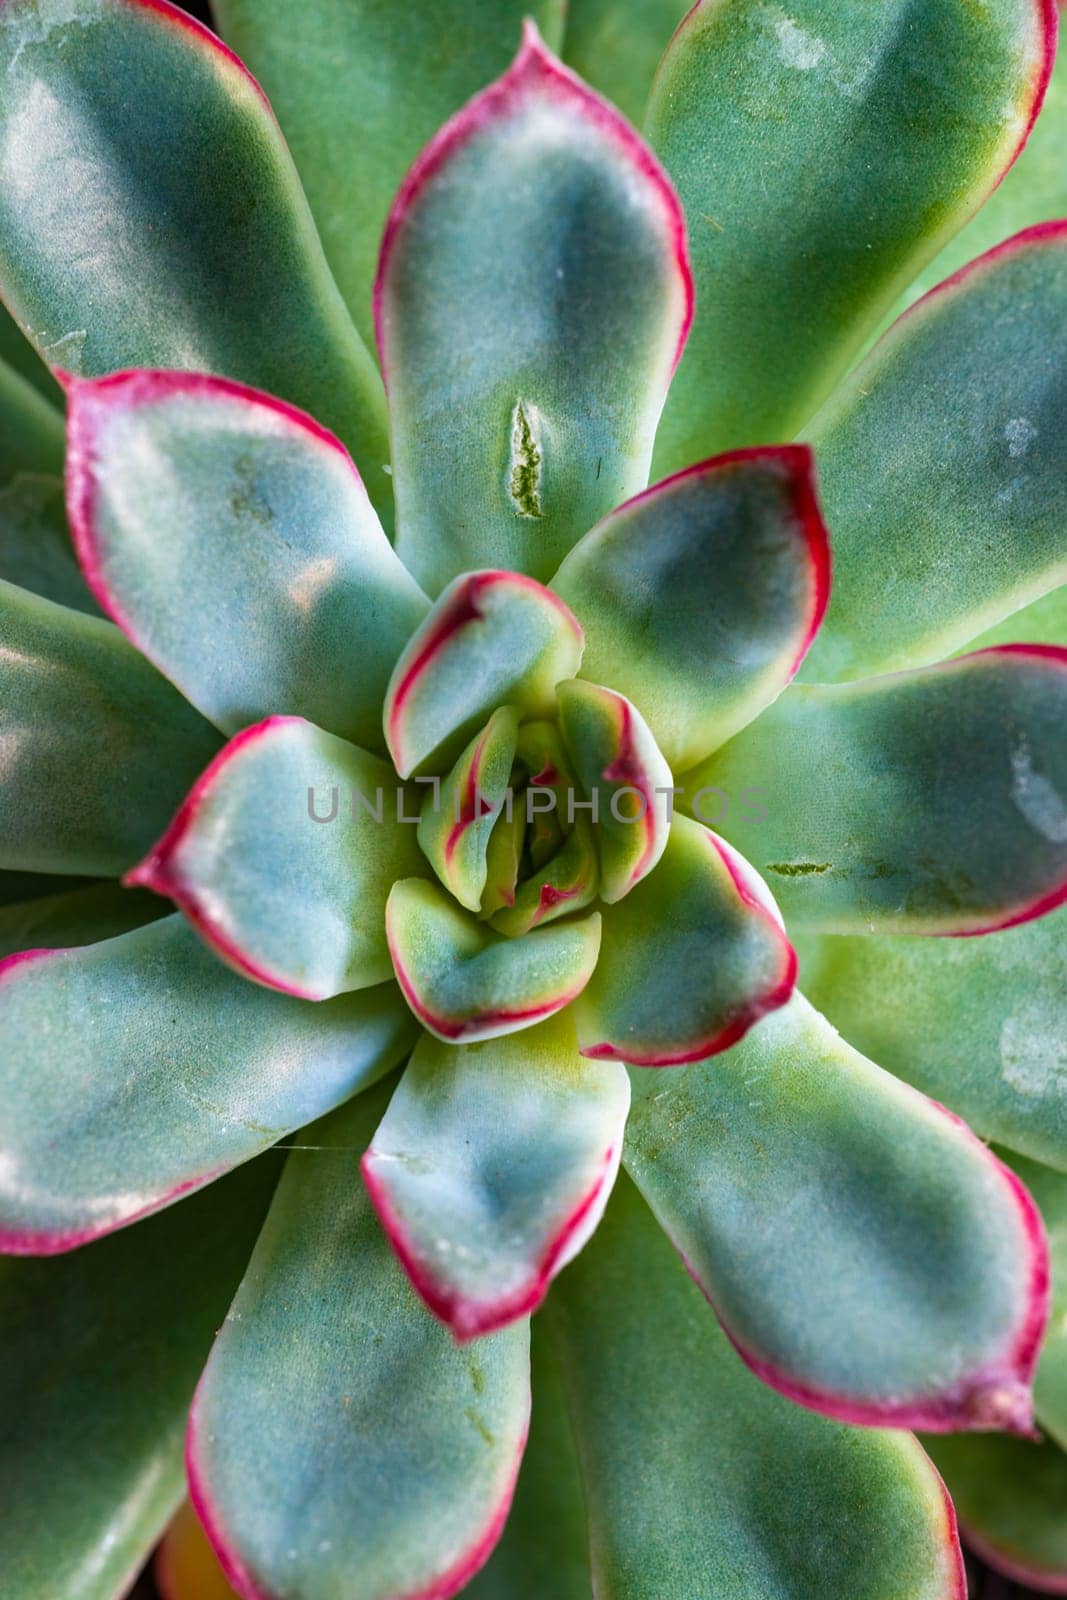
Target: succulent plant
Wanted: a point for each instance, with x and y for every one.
(476, 762)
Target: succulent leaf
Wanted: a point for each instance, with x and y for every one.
(287, 887)
(208, 1070)
(617, 48)
(152, 216)
(74, 917)
(943, 466)
(866, 1254)
(328, 1356)
(290, 598)
(823, 155)
(700, 597)
(35, 549)
(97, 746)
(458, 816)
(532, 298)
(491, 637)
(921, 802)
(1010, 1495)
(1001, 1060)
(626, 779)
(492, 1167)
(696, 1473)
(543, 1549)
(94, 1412)
(465, 982)
(359, 87)
(689, 960)
(565, 884)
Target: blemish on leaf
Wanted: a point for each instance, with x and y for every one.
(479, 1422)
(527, 457)
(1036, 797)
(797, 869)
(66, 352)
(1020, 434)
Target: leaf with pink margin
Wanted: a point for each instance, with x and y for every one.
(867, 1255)
(929, 802)
(99, 1354)
(465, 982)
(492, 1167)
(359, 87)
(1010, 1495)
(622, 771)
(567, 883)
(689, 961)
(943, 466)
(157, 1071)
(980, 1024)
(75, 916)
(699, 1480)
(526, 370)
(77, 699)
(823, 155)
(232, 539)
(459, 814)
(700, 597)
(282, 857)
(491, 637)
(329, 1356)
(151, 216)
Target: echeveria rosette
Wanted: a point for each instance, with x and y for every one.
(544, 624)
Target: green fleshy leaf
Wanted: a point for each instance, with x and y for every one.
(689, 960)
(617, 48)
(980, 1024)
(1010, 1495)
(459, 815)
(922, 802)
(152, 216)
(1049, 1189)
(491, 637)
(565, 884)
(625, 776)
(17, 352)
(1035, 190)
(341, 1442)
(698, 1479)
(823, 155)
(865, 1252)
(98, 748)
(699, 598)
(76, 917)
(532, 297)
(260, 581)
(359, 86)
(99, 1353)
(503, 858)
(492, 1167)
(158, 1070)
(465, 982)
(542, 1550)
(1042, 622)
(286, 886)
(35, 548)
(943, 466)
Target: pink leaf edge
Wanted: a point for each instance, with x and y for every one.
(536, 69)
(240, 1579)
(159, 873)
(952, 1530)
(464, 606)
(1042, 1579)
(472, 1319)
(997, 1396)
(88, 399)
(777, 993)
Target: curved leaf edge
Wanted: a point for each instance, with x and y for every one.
(1039, 1578)
(777, 993)
(245, 1585)
(156, 872)
(535, 64)
(472, 1319)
